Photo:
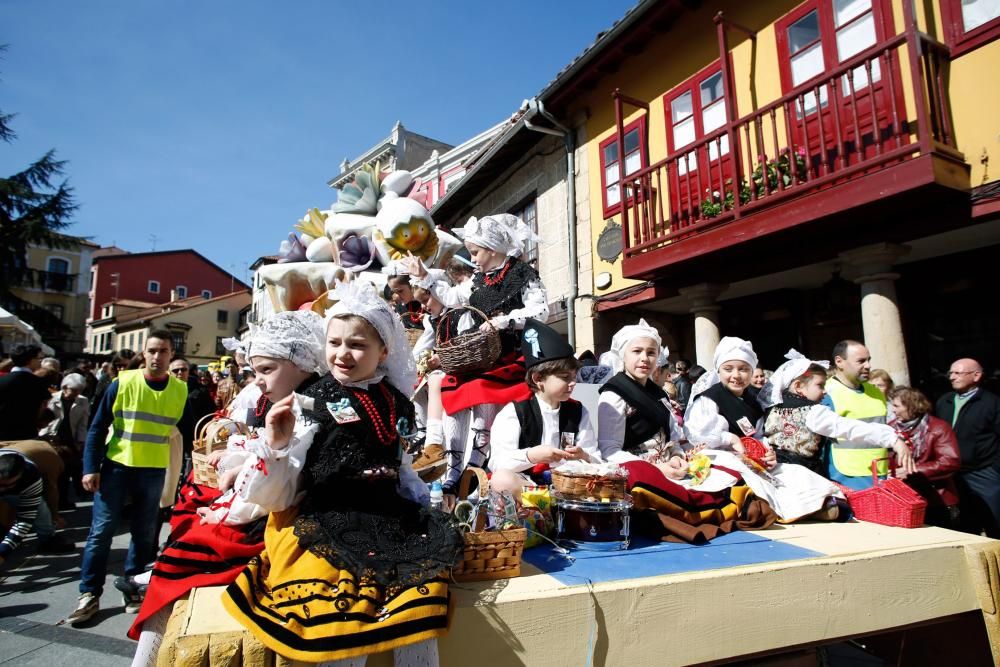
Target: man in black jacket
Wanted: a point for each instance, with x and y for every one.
(974, 413)
(22, 395)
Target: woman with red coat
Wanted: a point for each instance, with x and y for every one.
(935, 453)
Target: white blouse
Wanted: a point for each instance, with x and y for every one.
(824, 421)
(704, 425)
(612, 411)
(506, 431)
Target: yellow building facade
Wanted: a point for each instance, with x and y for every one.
(834, 142)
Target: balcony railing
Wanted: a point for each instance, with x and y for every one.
(848, 122)
(47, 281)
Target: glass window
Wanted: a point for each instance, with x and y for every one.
(182, 292)
(222, 316)
(978, 12)
(528, 212)
(633, 163)
(153, 287)
(206, 293)
(803, 32)
(57, 265)
(855, 24)
(711, 89)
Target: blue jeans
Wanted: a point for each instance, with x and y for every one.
(44, 528)
(117, 482)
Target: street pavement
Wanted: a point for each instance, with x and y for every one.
(38, 592)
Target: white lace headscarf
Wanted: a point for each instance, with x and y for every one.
(730, 348)
(295, 335)
(502, 232)
(787, 372)
(616, 356)
(359, 297)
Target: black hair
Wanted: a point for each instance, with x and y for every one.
(695, 372)
(547, 368)
(163, 335)
(686, 363)
(181, 359)
(840, 349)
(402, 278)
(11, 465)
(24, 352)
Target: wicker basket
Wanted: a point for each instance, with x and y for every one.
(212, 434)
(889, 502)
(468, 352)
(582, 487)
(494, 554)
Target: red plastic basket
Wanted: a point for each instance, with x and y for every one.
(754, 449)
(889, 502)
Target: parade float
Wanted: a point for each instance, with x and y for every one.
(363, 235)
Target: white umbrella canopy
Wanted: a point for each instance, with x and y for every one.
(15, 330)
(7, 317)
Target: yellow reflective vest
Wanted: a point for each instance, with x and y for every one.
(850, 458)
(143, 419)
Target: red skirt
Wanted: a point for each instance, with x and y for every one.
(196, 555)
(502, 384)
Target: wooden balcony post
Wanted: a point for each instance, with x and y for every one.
(915, 52)
(729, 96)
(620, 129)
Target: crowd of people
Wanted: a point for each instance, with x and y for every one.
(319, 522)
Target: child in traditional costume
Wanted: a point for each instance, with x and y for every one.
(798, 424)
(634, 416)
(509, 292)
(354, 562)
(548, 428)
(214, 532)
(724, 410)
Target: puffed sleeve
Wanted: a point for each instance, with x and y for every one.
(703, 425)
(611, 428)
(504, 439)
(271, 478)
(536, 306)
(426, 340)
(824, 421)
(452, 296)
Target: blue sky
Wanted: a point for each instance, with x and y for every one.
(215, 124)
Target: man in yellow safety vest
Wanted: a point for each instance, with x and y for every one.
(126, 455)
(851, 395)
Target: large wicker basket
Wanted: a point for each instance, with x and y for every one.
(473, 351)
(212, 432)
(583, 487)
(493, 554)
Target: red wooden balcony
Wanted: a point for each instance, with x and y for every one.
(851, 137)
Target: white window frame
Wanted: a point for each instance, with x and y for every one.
(150, 284)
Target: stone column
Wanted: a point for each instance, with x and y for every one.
(706, 319)
(871, 268)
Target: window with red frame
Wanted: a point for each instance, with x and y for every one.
(969, 24)
(635, 156)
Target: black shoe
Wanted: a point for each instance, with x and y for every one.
(132, 593)
(57, 544)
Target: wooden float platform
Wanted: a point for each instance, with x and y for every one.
(829, 582)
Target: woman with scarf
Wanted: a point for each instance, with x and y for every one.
(509, 292)
(935, 454)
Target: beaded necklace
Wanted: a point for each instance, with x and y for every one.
(386, 433)
(261, 406)
(498, 278)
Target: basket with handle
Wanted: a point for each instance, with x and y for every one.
(473, 351)
(488, 554)
(890, 502)
(581, 486)
(211, 434)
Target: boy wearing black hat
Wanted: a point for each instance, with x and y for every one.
(548, 428)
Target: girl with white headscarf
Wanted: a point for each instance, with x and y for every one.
(723, 406)
(797, 423)
(634, 417)
(345, 526)
(509, 291)
(220, 525)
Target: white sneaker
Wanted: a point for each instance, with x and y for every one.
(86, 607)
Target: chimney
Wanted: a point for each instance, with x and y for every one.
(173, 295)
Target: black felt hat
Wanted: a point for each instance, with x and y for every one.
(540, 342)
